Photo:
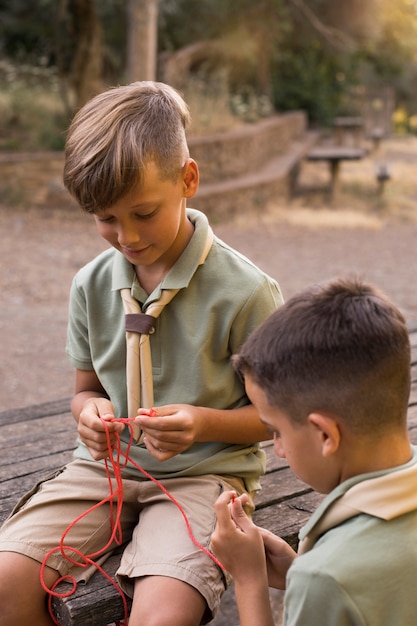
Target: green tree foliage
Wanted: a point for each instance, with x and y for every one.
(24, 38)
(391, 57)
(246, 35)
(302, 53)
(335, 46)
(182, 22)
(307, 78)
(41, 32)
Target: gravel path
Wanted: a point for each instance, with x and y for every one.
(42, 249)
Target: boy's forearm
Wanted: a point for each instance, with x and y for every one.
(253, 603)
(240, 425)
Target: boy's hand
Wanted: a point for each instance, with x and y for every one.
(246, 550)
(237, 541)
(169, 430)
(91, 429)
(279, 556)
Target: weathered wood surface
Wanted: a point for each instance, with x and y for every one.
(37, 440)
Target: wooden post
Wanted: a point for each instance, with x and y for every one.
(142, 29)
(334, 166)
(383, 173)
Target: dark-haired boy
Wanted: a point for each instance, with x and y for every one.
(329, 373)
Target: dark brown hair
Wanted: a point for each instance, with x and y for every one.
(341, 348)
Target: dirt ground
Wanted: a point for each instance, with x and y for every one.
(298, 242)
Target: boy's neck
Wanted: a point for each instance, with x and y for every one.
(150, 276)
(373, 454)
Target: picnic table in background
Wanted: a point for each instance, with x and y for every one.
(334, 155)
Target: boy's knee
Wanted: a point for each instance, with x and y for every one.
(22, 598)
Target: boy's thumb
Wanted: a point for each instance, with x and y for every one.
(239, 516)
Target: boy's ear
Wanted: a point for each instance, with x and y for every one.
(190, 176)
(328, 432)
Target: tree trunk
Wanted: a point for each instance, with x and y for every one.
(142, 29)
(86, 71)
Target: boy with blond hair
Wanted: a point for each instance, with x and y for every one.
(329, 373)
(192, 301)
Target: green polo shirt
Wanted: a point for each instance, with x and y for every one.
(218, 305)
(361, 572)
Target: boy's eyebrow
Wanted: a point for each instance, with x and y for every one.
(140, 205)
(144, 205)
(267, 424)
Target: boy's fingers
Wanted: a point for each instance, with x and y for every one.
(267, 536)
(222, 507)
(239, 516)
(111, 424)
(230, 512)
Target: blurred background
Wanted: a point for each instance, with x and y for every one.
(304, 126)
(249, 58)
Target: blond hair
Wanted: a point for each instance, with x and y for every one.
(116, 134)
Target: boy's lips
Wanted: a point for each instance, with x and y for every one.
(134, 252)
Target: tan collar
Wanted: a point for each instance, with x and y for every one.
(386, 497)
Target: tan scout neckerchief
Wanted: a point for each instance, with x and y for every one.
(138, 350)
(386, 497)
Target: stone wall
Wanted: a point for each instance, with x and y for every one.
(247, 148)
(33, 179)
(238, 169)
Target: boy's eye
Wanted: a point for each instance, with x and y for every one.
(146, 216)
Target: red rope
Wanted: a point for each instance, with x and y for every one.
(115, 501)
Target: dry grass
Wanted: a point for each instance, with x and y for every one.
(358, 202)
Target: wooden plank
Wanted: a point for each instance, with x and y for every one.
(36, 429)
(45, 409)
(29, 451)
(12, 490)
(38, 471)
(412, 415)
(413, 396)
(335, 153)
(278, 486)
(31, 466)
(98, 596)
(286, 518)
(32, 449)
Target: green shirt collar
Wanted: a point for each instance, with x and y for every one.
(178, 277)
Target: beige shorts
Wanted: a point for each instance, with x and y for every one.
(157, 540)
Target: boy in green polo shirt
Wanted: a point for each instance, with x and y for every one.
(329, 373)
(127, 164)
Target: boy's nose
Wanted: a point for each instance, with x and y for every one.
(127, 236)
(278, 447)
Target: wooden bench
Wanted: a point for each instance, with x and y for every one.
(38, 439)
